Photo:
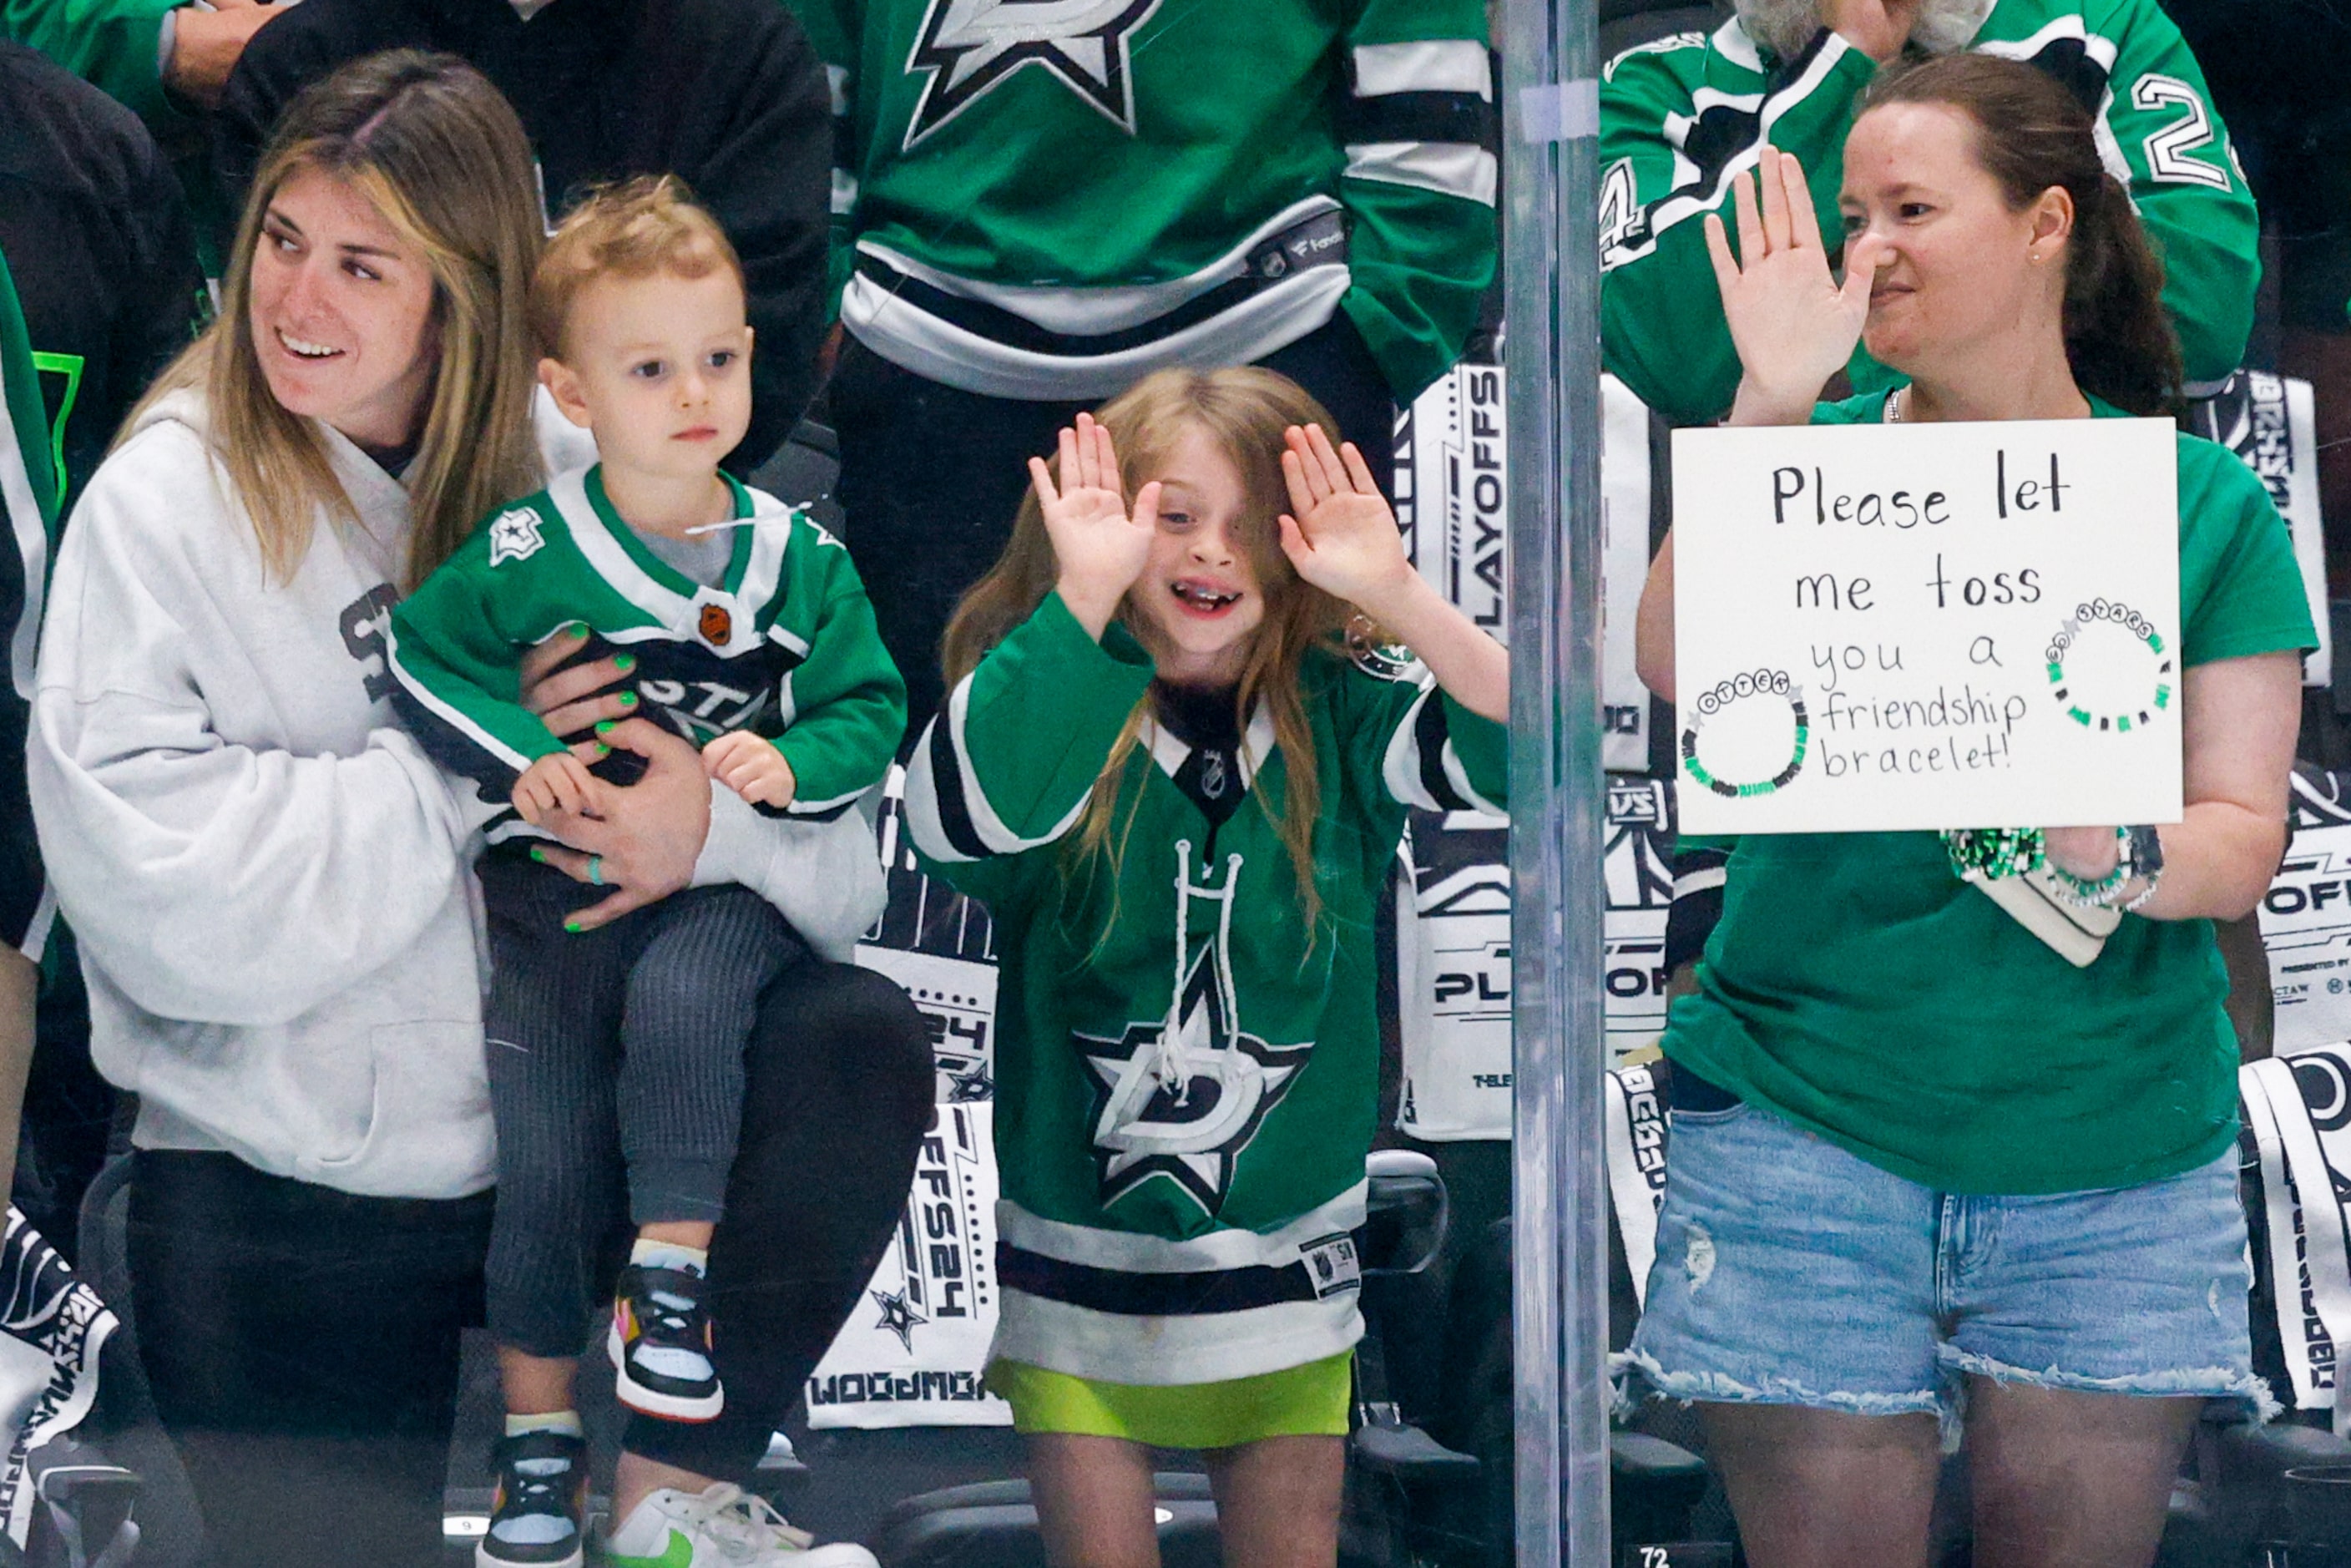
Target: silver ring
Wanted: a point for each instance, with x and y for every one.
(595, 870)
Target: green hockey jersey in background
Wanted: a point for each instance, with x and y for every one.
(783, 645)
(1679, 116)
(1186, 1076)
(1048, 201)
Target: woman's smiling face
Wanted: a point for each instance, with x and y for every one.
(341, 312)
(1961, 262)
(1198, 592)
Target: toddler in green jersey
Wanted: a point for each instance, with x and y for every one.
(742, 627)
(1176, 763)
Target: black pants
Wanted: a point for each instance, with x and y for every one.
(931, 478)
(302, 1343)
(617, 1051)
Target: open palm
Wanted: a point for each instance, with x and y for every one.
(1795, 326)
(1340, 533)
(1099, 546)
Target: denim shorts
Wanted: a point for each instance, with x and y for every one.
(1791, 1272)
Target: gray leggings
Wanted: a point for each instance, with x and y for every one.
(617, 1049)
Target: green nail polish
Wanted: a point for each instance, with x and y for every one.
(579, 632)
(538, 854)
(604, 727)
(602, 749)
(573, 926)
(625, 662)
(628, 699)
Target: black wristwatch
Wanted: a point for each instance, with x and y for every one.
(2143, 851)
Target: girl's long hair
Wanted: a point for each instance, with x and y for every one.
(1244, 412)
(428, 143)
(2032, 133)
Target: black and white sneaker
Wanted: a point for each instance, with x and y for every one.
(542, 1497)
(660, 1345)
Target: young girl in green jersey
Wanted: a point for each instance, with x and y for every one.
(1175, 763)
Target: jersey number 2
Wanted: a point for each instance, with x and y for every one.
(2168, 149)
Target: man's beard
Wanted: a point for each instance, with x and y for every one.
(1785, 26)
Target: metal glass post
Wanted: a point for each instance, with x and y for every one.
(1551, 260)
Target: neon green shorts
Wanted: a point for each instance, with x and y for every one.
(1299, 1401)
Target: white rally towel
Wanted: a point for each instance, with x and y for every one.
(52, 1327)
(2299, 1109)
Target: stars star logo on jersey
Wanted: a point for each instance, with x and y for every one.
(513, 536)
(898, 1317)
(1185, 1107)
(969, 46)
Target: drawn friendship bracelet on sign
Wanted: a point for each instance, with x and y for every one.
(1762, 683)
(2137, 625)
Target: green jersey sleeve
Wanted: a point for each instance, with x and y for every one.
(113, 44)
(1677, 119)
(1426, 749)
(1419, 126)
(1010, 762)
(2186, 184)
(845, 704)
(453, 651)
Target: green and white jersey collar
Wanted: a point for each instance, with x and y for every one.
(723, 618)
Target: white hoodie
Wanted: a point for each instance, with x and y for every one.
(267, 877)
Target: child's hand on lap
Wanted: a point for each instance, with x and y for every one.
(1100, 545)
(557, 781)
(752, 768)
(1343, 538)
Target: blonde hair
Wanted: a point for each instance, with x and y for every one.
(1244, 412)
(646, 227)
(430, 145)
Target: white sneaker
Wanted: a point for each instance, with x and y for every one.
(724, 1525)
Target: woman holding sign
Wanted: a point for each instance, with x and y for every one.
(1922, 1160)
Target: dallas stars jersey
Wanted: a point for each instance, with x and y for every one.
(784, 644)
(28, 498)
(1048, 201)
(1678, 118)
(1187, 1077)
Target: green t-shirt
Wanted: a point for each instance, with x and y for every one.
(1858, 989)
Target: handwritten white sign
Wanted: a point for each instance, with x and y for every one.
(1926, 626)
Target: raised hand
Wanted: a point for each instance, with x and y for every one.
(1793, 325)
(1339, 532)
(1099, 546)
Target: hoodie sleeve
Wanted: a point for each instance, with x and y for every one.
(213, 882)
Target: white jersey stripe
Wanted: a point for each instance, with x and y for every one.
(1450, 168)
(1434, 65)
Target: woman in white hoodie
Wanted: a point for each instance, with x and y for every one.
(270, 880)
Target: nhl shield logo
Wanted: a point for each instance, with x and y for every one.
(716, 625)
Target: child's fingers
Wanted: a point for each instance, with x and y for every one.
(1106, 460)
(1146, 505)
(1293, 475)
(1358, 471)
(1326, 458)
(1318, 487)
(1072, 465)
(528, 805)
(1042, 478)
(588, 751)
(1293, 539)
